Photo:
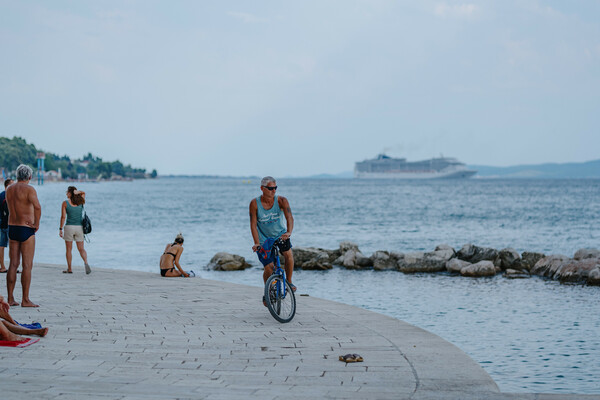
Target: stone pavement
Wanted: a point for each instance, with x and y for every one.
(131, 335)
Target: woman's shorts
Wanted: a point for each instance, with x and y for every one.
(73, 233)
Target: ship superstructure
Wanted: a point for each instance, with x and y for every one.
(436, 168)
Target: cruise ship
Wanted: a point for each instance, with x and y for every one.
(398, 168)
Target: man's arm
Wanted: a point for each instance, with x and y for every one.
(253, 224)
(289, 218)
(176, 262)
(37, 209)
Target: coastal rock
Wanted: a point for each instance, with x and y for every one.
(445, 251)
(227, 262)
(549, 265)
(382, 261)
(455, 265)
(311, 258)
(594, 277)
(529, 259)
(509, 259)
(515, 274)
(346, 246)
(582, 254)
(480, 269)
(355, 260)
(434, 261)
(474, 254)
(577, 271)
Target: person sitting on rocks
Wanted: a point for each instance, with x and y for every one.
(169, 260)
(9, 329)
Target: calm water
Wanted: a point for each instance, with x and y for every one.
(530, 335)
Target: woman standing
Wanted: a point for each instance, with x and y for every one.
(169, 260)
(72, 210)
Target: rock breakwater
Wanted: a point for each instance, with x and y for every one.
(470, 261)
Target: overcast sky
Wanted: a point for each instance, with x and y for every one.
(305, 87)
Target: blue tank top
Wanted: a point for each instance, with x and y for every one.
(269, 222)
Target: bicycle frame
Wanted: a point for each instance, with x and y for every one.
(277, 270)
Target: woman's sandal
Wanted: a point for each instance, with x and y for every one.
(67, 272)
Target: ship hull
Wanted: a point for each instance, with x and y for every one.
(462, 174)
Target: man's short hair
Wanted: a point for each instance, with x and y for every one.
(7, 182)
(24, 173)
(265, 181)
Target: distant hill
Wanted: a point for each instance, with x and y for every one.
(341, 175)
(589, 169)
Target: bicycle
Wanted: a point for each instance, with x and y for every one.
(279, 295)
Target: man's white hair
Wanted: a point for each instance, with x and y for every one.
(265, 181)
(24, 173)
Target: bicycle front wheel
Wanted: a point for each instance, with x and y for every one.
(281, 301)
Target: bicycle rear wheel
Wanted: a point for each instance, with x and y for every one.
(282, 306)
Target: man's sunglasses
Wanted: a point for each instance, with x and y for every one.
(270, 187)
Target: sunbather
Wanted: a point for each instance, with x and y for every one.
(9, 329)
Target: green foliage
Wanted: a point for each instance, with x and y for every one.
(16, 151)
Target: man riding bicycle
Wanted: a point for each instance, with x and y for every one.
(266, 222)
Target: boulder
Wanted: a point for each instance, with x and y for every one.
(346, 246)
(455, 265)
(594, 277)
(445, 251)
(382, 261)
(509, 259)
(547, 266)
(529, 259)
(311, 258)
(516, 274)
(474, 254)
(434, 261)
(353, 259)
(577, 271)
(227, 262)
(582, 254)
(482, 268)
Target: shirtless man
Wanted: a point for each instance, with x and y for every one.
(24, 212)
(266, 221)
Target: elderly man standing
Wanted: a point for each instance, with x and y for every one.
(24, 212)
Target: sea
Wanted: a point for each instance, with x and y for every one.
(530, 335)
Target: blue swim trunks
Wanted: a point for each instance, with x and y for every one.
(265, 253)
(20, 233)
(4, 237)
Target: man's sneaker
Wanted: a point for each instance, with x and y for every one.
(88, 270)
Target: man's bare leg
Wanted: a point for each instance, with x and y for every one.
(289, 264)
(69, 248)
(27, 252)
(21, 330)
(5, 334)
(267, 272)
(2, 266)
(14, 250)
